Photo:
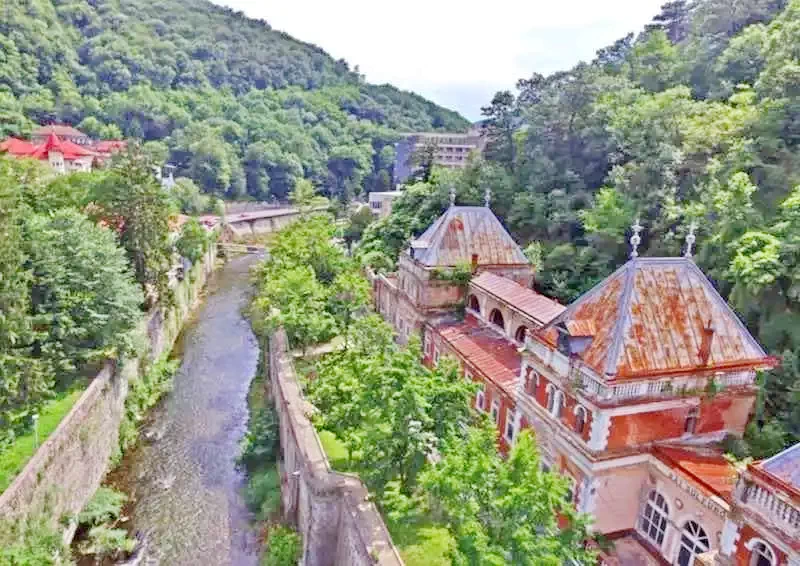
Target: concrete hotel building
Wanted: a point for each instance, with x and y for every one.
(629, 390)
(452, 150)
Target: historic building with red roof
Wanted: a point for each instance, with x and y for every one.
(629, 389)
(64, 148)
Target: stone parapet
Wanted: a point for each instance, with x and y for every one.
(331, 510)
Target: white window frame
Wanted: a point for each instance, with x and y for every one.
(555, 395)
(436, 355)
(480, 399)
(511, 425)
(495, 411)
(580, 409)
(656, 517)
(760, 549)
(428, 344)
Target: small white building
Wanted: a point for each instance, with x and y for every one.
(380, 203)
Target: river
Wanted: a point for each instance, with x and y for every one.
(186, 489)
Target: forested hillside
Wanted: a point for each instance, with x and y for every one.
(695, 119)
(239, 107)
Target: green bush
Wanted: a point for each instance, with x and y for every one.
(31, 543)
(263, 493)
(143, 394)
(260, 443)
(105, 505)
(104, 541)
(283, 548)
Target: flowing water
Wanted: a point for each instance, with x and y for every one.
(186, 488)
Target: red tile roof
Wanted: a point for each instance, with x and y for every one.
(463, 231)
(68, 149)
(705, 466)
(483, 348)
(649, 319)
(109, 146)
(14, 146)
(538, 307)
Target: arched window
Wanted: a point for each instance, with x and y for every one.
(519, 335)
(694, 541)
(653, 521)
(555, 401)
(761, 555)
(580, 419)
(496, 318)
(473, 303)
(690, 426)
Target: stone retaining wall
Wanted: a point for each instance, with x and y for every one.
(70, 465)
(339, 525)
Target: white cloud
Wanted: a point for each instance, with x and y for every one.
(455, 53)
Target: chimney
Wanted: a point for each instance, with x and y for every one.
(705, 345)
(474, 263)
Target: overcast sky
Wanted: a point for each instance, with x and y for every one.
(456, 53)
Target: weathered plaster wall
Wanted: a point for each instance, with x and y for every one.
(71, 463)
(332, 512)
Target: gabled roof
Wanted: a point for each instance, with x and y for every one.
(463, 231)
(15, 146)
(538, 307)
(61, 130)
(652, 317)
(484, 348)
(68, 149)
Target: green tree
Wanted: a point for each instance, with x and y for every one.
(506, 511)
(85, 301)
(133, 203)
(193, 241)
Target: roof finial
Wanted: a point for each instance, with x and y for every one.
(452, 196)
(690, 239)
(636, 239)
(487, 197)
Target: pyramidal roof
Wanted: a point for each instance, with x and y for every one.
(463, 231)
(656, 317)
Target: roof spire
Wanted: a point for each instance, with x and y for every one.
(452, 195)
(487, 197)
(690, 239)
(636, 239)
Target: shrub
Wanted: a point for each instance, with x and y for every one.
(104, 541)
(105, 505)
(260, 444)
(283, 548)
(31, 543)
(263, 493)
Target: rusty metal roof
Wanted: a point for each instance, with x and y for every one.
(785, 466)
(484, 348)
(465, 230)
(538, 307)
(705, 465)
(649, 318)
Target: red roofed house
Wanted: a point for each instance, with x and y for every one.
(63, 147)
(629, 389)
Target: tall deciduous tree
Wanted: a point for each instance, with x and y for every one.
(506, 511)
(135, 205)
(85, 302)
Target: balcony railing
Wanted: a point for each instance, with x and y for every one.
(657, 388)
(781, 512)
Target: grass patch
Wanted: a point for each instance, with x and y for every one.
(13, 460)
(422, 542)
(335, 449)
